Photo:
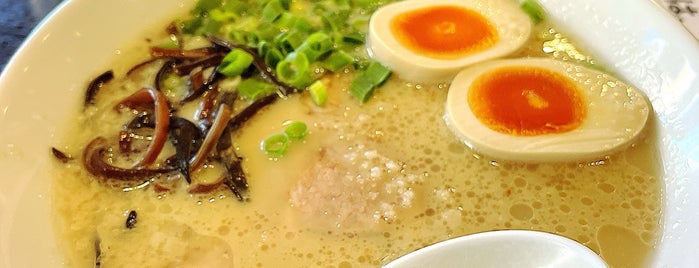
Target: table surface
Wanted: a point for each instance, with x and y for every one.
(17, 19)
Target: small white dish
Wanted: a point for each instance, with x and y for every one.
(503, 249)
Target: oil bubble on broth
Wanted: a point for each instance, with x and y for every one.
(370, 182)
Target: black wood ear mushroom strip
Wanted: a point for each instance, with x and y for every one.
(193, 146)
(96, 85)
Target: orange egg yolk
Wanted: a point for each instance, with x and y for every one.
(444, 32)
(526, 101)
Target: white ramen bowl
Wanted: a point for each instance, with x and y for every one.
(45, 80)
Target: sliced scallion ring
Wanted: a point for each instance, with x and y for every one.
(253, 89)
(294, 70)
(296, 130)
(235, 62)
(275, 145)
(373, 76)
(315, 46)
(319, 92)
(337, 61)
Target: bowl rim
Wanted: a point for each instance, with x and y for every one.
(655, 53)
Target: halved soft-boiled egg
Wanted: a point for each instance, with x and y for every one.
(543, 110)
(430, 41)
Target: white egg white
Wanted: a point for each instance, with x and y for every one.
(511, 23)
(616, 115)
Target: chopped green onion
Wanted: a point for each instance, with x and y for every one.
(170, 43)
(286, 4)
(369, 5)
(299, 40)
(328, 24)
(192, 25)
(253, 89)
(222, 16)
(210, 26)
(373, 76)
(206, 6)
(360, 23)
(355, 38)
(294, 70)
(289, 41)
(270, 53)
(272, 10)
(275, 145)
(267, 31)
(243, 37)
(343, 3)
(362, 88)
(235, 62)
(303, 25)
(533, 9)
(377, 73)
(263, 47)
(333, 19)
(296, 130)
(273, 57)
(337, 61)
(319, 92)
(315, 46)
(236, 7)
(288, 21)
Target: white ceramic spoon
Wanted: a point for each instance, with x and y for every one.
(506, 248)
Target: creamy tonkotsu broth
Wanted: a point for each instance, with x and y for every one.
(370, 182)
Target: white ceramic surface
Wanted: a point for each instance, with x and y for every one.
(503, 249)
(651, 50)
(45, 80)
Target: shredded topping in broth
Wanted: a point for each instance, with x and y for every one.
(367, 182)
